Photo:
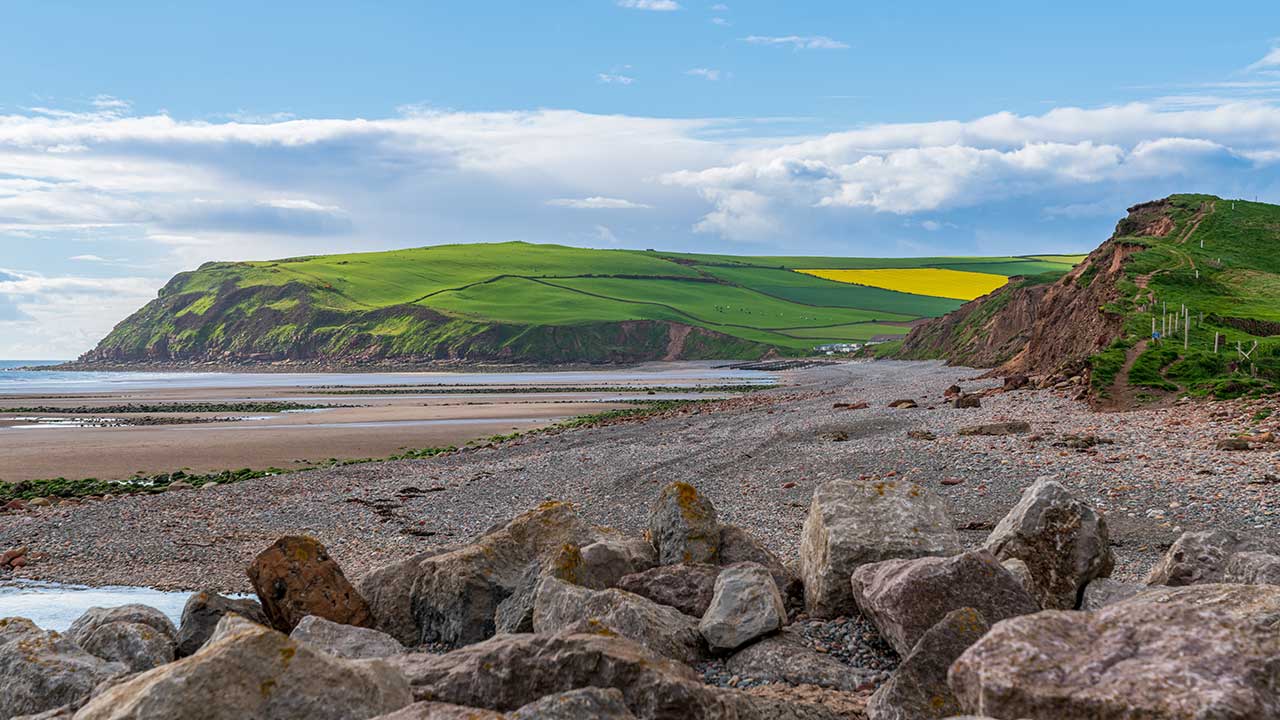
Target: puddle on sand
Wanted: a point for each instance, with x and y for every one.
(54, 606)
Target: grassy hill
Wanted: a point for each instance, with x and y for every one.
(531, 303)
(1220, 259)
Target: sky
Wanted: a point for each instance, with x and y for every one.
(141, 139)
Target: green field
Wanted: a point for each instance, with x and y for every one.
(544, 303)
(1222, 261)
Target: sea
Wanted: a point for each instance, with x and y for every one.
(17, 381)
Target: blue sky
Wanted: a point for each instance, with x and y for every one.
(138, 139)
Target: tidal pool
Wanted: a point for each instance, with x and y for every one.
(54, 606)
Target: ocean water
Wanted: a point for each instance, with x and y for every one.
(54, 606)
(46, 382)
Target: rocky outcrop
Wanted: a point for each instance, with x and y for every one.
(1204, 651)
(786, 658)
(296, 577)
(1062, 540)
(687, 588)
(138, 647)
(559, 605)
(454, 596)
(905, 598)
(1207, 557)
(251, 671)
(918, 689)
(202, 613)
(509, 671)
(746, 605)
(42, 671)
(683, 526)
(344, 641)
(854, 522)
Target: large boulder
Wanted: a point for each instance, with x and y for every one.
(786, 658)
(1203, 557)
(1105, 591)
(606, 561)
(41, 671)
(595, 703)
(1062, 540)
(1204, 651)
(139, 647)
(296, 577)
(389, 592)
(345, 641)
(683, 526)
(454, 596)
(738, 545)
(687, 588)
(1253, 568)
(428, 710)
(559, 605)
(746, 605)
(509, 671)
(95, 617)
(250, 671)
(854, 522)
(918, 689)
(202, 613)
(904, 598)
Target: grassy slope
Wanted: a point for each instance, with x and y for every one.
(1238, 285)
(529, 302)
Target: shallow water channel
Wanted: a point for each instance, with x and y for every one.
(54, 606)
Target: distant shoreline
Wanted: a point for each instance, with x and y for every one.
(325, 366)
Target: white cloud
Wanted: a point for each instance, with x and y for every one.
(1270, 61)
(660, 5)
(605, 235)
(706, 73)
(798, 42)
(719, 21)
(720, 7)
(614, 79)
(597, 203)
(88, 258)
(60, 317)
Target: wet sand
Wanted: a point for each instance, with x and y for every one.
(374, 426)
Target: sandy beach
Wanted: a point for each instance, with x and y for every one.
(341, 417)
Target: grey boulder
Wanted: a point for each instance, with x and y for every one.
(454, 596)
(1253, 568)
(918, 689)
(904, 598)
(596, 703)
(1105, 591)
(510, 671)
(609, 559)
(202, 613)
(1062, 540)
(1204, 651)
(683, 526)
(746, 605)
(96, 617)
(250, 671)
(559, 606)
(41, 671)
(344, 641)
(785, 658)
(139, 647)
(738, 545)
(1204, 557)
(856, 522)
(687, 588)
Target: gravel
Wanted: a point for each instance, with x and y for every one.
(757, 457)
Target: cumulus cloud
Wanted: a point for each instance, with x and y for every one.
(798, 42)
(614, 79)
(171, 193)
(597, 203)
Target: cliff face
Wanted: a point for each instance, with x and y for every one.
(1031, 326)
(271, 323)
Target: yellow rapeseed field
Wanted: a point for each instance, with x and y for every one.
(936, 282)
